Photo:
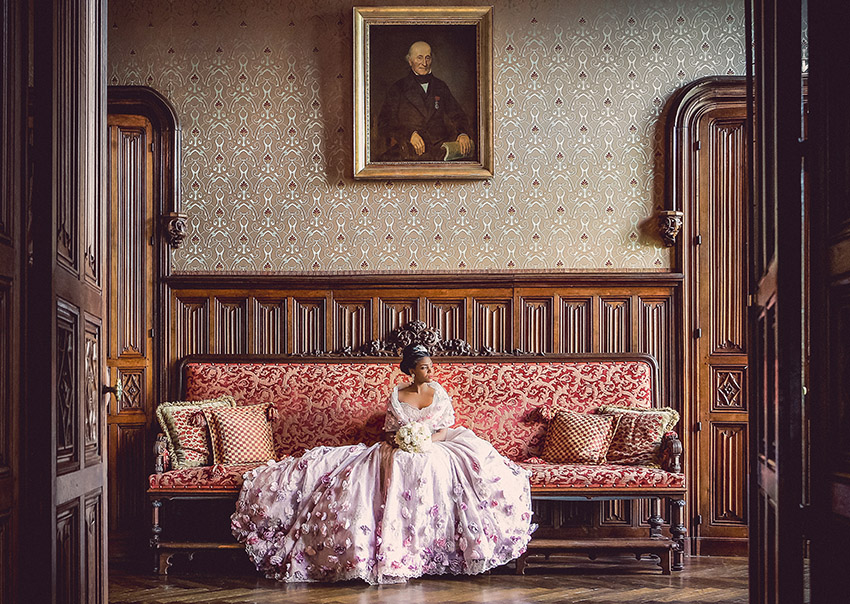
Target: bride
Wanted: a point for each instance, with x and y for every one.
(413, 505)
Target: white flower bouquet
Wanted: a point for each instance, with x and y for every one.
(414, 437)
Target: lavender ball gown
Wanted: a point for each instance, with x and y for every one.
(385, 515)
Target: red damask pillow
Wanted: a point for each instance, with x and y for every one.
(638, 435)
(186, 434)
(240, 435)
(578, 437)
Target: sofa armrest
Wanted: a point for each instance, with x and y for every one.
(162, 463)
(671, 452)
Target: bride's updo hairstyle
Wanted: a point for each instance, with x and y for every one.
(410, 355)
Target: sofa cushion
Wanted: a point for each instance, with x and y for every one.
(638, 435)
(187, 438)
(217, 477)
(578, 437)
(543, 474)
(607, 476)
(240, 435)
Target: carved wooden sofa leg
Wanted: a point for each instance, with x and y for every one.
(678, 531)
(655, 519)
(521, 563)
(160, 565)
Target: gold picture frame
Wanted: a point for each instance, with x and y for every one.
(457, 97)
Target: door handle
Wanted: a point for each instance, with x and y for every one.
(117, 389)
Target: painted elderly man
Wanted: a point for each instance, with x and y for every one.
(420, 113)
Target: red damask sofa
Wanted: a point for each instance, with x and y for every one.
(339, 401)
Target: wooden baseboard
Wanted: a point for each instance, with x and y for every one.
(718, 546)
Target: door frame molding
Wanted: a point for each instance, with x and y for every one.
(169, 228)
(684, 110)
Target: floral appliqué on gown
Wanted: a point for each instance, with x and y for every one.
(385, 515)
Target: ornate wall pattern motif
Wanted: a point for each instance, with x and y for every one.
(263, 91)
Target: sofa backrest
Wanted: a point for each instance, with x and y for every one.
(338, 402)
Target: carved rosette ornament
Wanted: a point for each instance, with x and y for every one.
(669, 225)
(175, 228)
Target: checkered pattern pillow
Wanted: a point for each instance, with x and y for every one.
(187, 439)
(637, 439)
(578, 437)
(240, 434)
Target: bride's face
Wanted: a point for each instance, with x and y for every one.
(422, 370)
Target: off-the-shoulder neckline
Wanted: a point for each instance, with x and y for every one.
(406, 384)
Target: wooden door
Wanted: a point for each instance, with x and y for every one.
(720, 329)
(130, 344)
(777, 547)
(829, 389)
(12, 146)
(63, 498)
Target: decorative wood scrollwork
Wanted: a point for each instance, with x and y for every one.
(669, 225)
(175, 228)
(413, 332)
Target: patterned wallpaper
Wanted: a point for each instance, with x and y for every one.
(263, 91)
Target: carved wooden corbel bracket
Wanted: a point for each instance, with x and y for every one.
(175, 228)
(669, 225)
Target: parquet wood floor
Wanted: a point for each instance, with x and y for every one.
(572, 580)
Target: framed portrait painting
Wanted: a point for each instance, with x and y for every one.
(423, 92)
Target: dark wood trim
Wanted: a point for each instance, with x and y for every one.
(464, 280)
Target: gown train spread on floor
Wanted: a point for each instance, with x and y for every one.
(385, 515)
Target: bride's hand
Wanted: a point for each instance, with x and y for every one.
(439, 435)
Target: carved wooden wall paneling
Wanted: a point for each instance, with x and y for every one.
(231, 326)
(730, 389)
(729, 492)
(269, 326)
(309, 326)
(449, 316)
(537, 324)
(493, 323)
(352, 327)
(616, 513)
(576, 332)
(728, 231)
(128, 241)
(658, 337)
(67, 387)
(615, 325)
(192, 326)
(132, 463)
(395, 313)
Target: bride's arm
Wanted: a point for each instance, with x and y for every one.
(439, 435)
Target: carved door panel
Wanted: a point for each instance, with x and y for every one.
(130, 346)
(720, 429)
(63, 499)
(777, 546)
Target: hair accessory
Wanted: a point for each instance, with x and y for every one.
(417, 348)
